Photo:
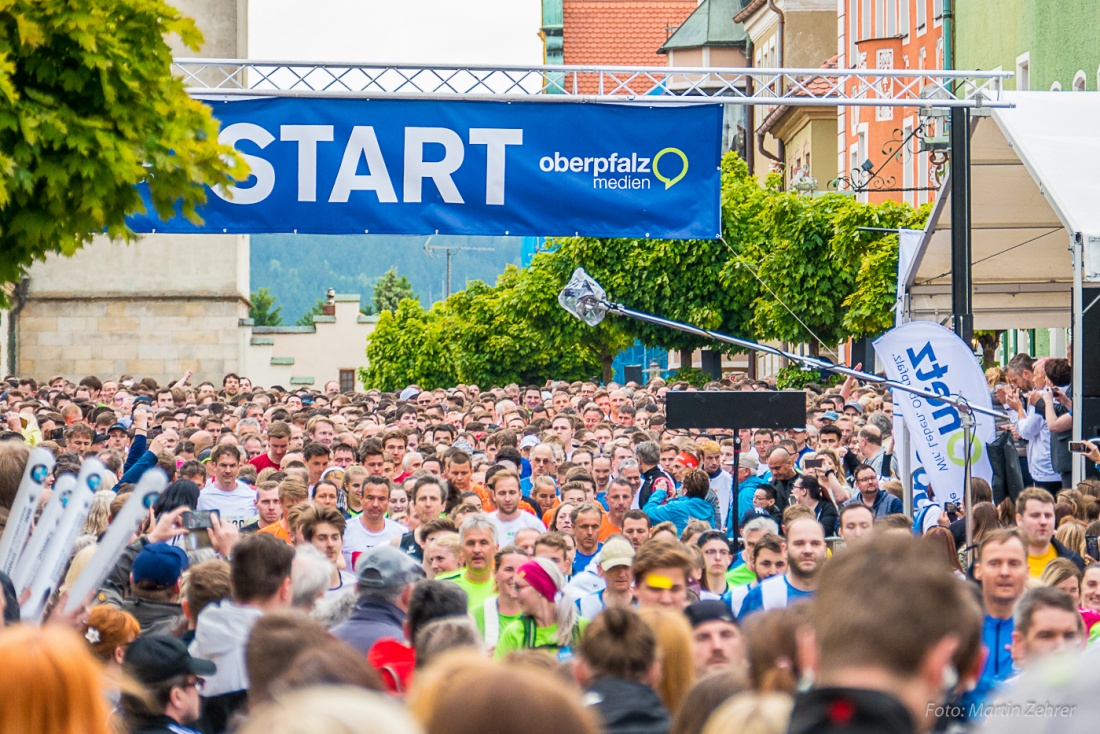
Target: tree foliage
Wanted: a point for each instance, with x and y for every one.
(507, 332)
(390, 290)
(787, 268)
(262, 312)
(409, 346)
(88, 109)
(316, 309)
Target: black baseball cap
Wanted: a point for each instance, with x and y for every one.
(709, 610)
(155, 658)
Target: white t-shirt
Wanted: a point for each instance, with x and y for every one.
(346, 585)
(506, 530)
(723, 487)
(358, 539)
(237, 506)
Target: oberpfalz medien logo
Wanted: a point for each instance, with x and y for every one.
(622, 171)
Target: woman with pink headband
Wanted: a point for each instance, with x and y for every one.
(549, 621)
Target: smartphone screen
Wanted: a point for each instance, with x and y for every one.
(198, 520)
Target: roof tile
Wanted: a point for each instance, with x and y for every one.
(619, 32)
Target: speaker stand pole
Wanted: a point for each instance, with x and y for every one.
(735, 526)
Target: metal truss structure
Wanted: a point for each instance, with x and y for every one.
(649, 85)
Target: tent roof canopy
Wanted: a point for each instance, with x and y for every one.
(1034, 185)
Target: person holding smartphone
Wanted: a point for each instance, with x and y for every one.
(1029, 419)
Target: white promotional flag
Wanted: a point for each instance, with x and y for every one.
(929, 357)
(908, 246)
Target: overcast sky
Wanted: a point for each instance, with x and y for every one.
(501, 32)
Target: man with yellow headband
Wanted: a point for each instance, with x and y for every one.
(661, 572)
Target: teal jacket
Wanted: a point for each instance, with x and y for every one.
(678, 511)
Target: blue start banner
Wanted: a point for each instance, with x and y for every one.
(324, 166)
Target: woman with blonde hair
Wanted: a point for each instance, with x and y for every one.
(752, 713)
(450, 670)
(483, 705)
(1072, 536)
(1062, 573)
(352, 486)
(675, 650)
(57, 685)
(99, 514)
(333, 710)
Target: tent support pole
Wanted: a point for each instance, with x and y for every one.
(962, 308)
(1078, 248)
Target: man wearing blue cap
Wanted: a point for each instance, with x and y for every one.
(155, 589)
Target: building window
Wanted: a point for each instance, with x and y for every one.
(937, 9)
(891, 18)
(853, 32)
(880, 15)
(922, 13)
(347, 381)
(903, 17)
(865, 21)
(1079, 81)
(884, 61)
(1023, 72)
(1056, 87)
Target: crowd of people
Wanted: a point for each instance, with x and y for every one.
(542, 559)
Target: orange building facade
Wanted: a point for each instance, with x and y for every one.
(880, 156)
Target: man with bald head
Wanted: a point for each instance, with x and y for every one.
(202, 440)
(869, 444)
(542, 464)
(781, 466)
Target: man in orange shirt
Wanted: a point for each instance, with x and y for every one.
(459, 473)
(619, 496)
(292, 492)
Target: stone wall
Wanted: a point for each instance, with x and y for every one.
(155, 307)
(143, 337)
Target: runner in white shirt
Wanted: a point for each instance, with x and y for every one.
(508, 518)
(372, 528)
(323, 528)
(234, 500)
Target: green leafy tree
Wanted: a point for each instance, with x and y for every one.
(317, 309)
(692, 281)
(390, 290)
(89, 108)
(262, 312)
(804, 282)
(867, 309)
(410, 345)
(785, 266)
(534, 298)
(496, 339)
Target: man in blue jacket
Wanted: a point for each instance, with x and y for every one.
(1003, 571)
(881, 502)
(747, 482)
(692, 505)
